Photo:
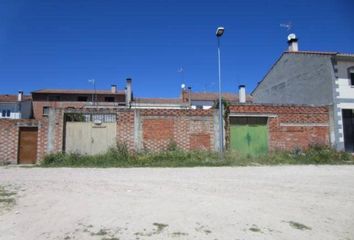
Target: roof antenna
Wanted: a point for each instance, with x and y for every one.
(94, 96)
(181, 71)
(288, 26)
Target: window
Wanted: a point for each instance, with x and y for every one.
(45, 111)
(6, 113)
(109, 99)
(82, 99)
(53, 98)
(351, 76)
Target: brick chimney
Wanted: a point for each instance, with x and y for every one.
(184, 93)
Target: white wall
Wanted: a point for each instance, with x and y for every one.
(14, 111)
(344, 89)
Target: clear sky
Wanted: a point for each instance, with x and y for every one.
(63, 43)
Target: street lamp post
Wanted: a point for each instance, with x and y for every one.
(219, 33)
(94, 97)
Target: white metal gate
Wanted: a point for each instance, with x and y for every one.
(92, 135)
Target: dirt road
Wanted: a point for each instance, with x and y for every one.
(282, 202)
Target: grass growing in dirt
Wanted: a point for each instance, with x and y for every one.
(7, 198)
(160, 227)
(299, 226)
(121, 157)
(255, 228)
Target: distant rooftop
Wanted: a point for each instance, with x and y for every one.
(13, 98)
(212, 96)
(77, 91)
(158, 100)
(322, 53)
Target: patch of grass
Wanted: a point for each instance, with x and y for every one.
(255, 229)
(6, 194)
(202, 228)
(160, 227)
(101, 232)
(207, 231)
(174, 157)
(299, 226)
(7, 198)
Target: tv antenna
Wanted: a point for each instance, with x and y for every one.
(181, 71)
(94, 95)
(288, 26)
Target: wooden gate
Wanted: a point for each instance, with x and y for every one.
(27, 149)
(249, 135)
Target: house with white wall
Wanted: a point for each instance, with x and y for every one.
(314, 78)
(15, 106)
(208, 100)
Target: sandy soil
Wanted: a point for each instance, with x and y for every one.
(288, 202)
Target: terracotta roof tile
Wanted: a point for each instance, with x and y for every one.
(159, 100)
(212, 96)
(12, 98)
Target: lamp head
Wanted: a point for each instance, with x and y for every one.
(220, 31)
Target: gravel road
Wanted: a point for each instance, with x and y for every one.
(245, 203)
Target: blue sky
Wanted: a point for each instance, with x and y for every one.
(63, 43)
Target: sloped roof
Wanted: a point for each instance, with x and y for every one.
(322, 53)
(312, 52)
(212, 96)
(159, 100)
(319, 53)
(77, 91)
(13, 98)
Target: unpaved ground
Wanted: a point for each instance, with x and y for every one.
(289, 202)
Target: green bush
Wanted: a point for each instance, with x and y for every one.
(119, 156)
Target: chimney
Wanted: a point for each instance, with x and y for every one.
(114, 88)
(20, 96)
(292, 43)
(190, 96)
(128, 92)
(242, 93)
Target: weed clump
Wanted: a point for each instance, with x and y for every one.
(120, 156)
(7, 198)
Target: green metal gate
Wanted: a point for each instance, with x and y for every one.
(249, 135)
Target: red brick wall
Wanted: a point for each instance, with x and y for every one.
(292, 126)
(58, 130)
(9, 138)
(125, 128)
(154, 129)
(38, 107)
(200, 141)
(189, 129)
